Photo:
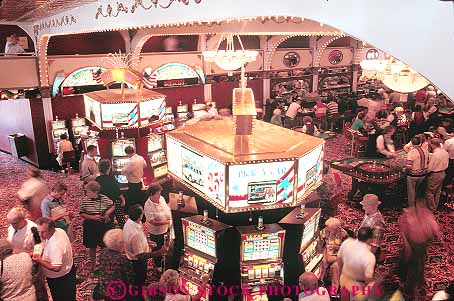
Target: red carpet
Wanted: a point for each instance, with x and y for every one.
(439, 266)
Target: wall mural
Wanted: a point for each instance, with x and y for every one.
(335, 57)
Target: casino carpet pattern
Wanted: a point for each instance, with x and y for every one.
(439, 265)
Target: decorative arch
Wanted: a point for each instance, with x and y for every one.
(324, 42)
(43, 65)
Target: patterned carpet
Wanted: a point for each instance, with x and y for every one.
(439, 266)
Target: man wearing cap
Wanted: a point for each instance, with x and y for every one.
(373, 219)
(331, 238)
(438, 163)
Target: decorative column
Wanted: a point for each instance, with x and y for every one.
(207, 92)
(355, 77)
(315, 68)
(48, 114)
(266, 77)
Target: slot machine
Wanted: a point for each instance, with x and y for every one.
(58, 127)
(79, 129)
(300, 252)
(157, 155)
(261, 262)
(182, 111)
(120, 159)
(198, 109)
(206, 251)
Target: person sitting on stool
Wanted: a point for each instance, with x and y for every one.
(64, 145)
(385, 143)
(133, 171)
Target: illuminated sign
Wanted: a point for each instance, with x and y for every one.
(83, 77)
(176, 75)
(335, 57)
(199, 171)
(261, 246)
(93, 111)
(261, 184)
(200, 238)
(122, 76)
(310, 170)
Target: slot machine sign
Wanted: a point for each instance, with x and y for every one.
(261, 246)
(310, 170)
(200, 238)
(197, 170)
(261, 184)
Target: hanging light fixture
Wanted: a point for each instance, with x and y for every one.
(230, 59)
(394, 74)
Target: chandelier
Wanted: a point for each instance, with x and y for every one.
(394, 74)
(230, 59)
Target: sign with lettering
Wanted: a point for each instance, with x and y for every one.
(261, 184)
(310, 170)
(197, 170)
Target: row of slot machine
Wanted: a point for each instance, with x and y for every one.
(256, 259)
(78, 128)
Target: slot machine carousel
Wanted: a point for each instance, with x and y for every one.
(245, 170)
(128, 117)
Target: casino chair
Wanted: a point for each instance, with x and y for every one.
(68, 158)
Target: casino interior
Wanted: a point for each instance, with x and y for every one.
(264, 144)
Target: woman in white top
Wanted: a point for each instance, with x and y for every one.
(63, 146)
(171, 280)
(16, 274)
(159, 217)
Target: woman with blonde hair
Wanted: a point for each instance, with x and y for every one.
(16, 274)
(171, 280)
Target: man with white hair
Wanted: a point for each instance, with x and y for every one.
(310, 289)
(19, 232)
(331, 238)
(373, 219)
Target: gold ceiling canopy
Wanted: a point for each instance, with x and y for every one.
(32, 10)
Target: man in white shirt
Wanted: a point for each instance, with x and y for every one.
(133, 171)
(357, 264)
(310, 290)
(292, 111)
(212, 110)
(89, 170)
(19, 232)
(438, 163)
(158, 215)
(57, 261)
(136, 245)
(419, 158)
(448, 146)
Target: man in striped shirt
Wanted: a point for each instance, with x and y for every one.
(333, 112)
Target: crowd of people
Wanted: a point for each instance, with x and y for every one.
(127, 231)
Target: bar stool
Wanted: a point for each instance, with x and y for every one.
(68, 158)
